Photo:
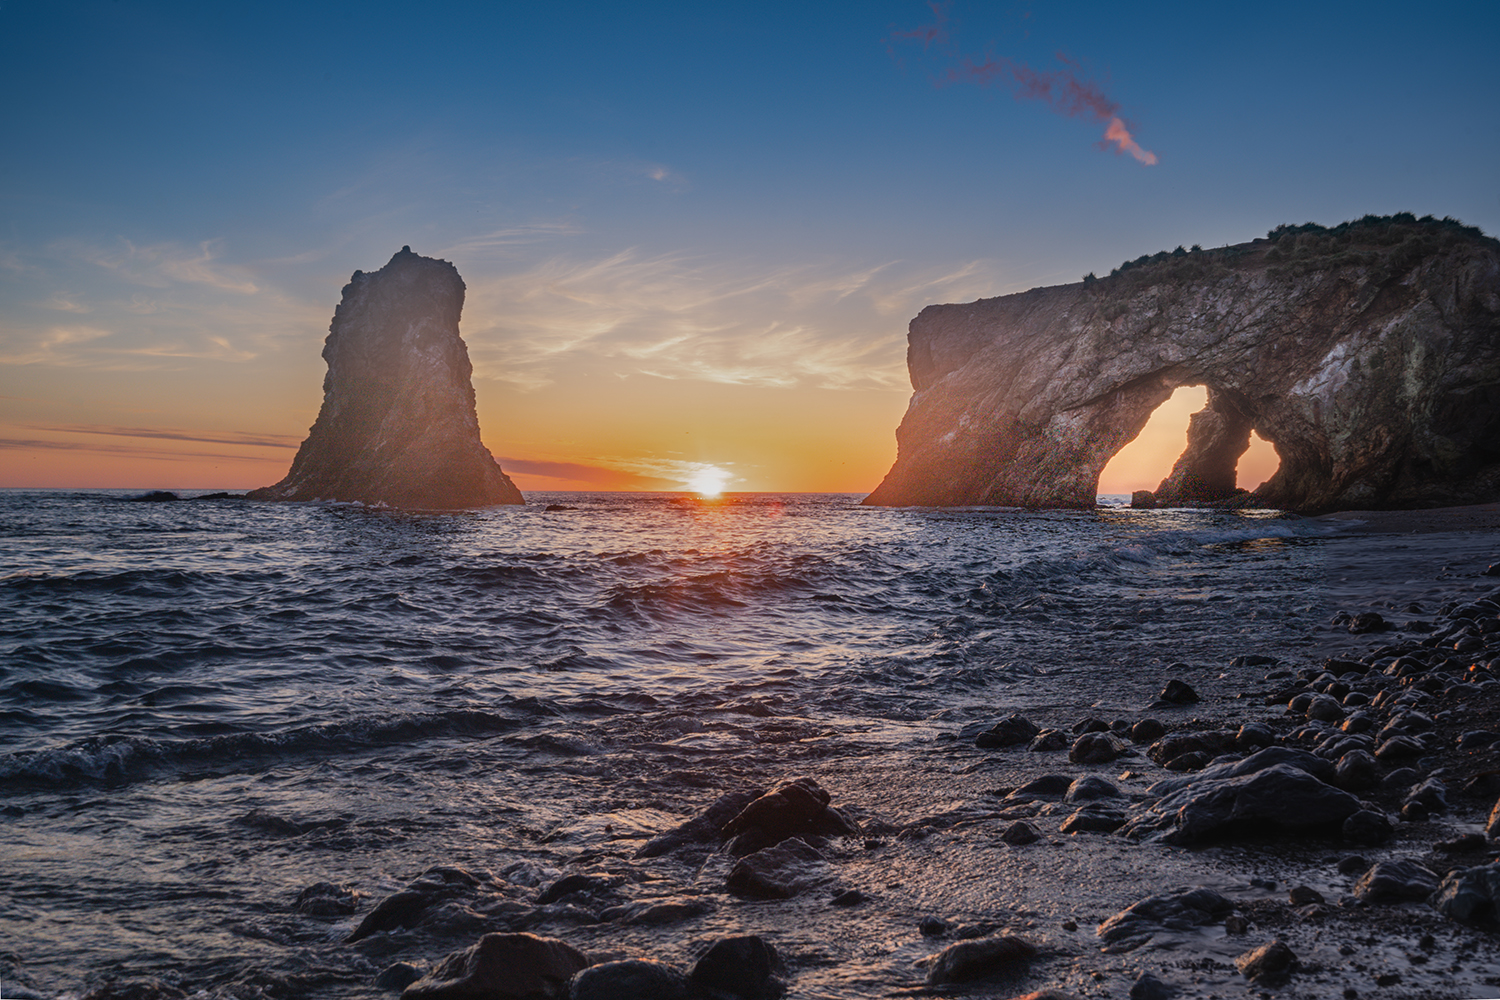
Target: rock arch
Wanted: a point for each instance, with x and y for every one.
(1368, 355)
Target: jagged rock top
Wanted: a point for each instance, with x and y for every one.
(398, 425)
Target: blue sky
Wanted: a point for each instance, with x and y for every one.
(744, 203)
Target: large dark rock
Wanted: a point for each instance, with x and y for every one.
(1365, 354)
(702, 828)
(1277, 799)
(502, 967)
(1470, 896)
(398, 425)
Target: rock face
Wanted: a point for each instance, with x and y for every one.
(398, 425)
(1367, 354)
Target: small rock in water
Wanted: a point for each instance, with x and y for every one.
(1193, 760)
(1020, 832)
(1148, 987)
(1368, 621)
(1178, 692)
(1471, 896)
(1147, 731)
(1431, 794)
(849, 897)
(966, 960)
(1356, 771)
(1302, 895)
(742, 968)
(634, 979)
(1369, 827)
(397, 977)
(1011, 731)
(933, 926)
(279, 826)
(592, 884)
(324, 899)
(779, 872)
(1090, 725)
(1048, 786)
(785, 810)
(702, 828)
(1396, 882)
(1094, 748)
(501, 965)
(1269, 965)
(1138, 922)
(1352, 864)
(1048, 740)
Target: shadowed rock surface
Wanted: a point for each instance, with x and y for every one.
(1368, 355)
(398, 425)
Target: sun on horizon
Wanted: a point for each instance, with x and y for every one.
(708, 481)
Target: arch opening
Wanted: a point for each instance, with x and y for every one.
(1197, 446)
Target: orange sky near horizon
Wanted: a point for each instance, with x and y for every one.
(611, 433)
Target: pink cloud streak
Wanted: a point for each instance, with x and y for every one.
(1062, 90)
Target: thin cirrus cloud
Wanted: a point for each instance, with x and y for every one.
(1063, 90)
(252, 439)
(823, 325)
(596, 475)
(154, 307)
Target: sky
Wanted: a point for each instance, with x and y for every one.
(693, 235)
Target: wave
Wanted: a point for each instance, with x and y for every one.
(115, 760)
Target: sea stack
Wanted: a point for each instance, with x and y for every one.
(398, 426)
(1368, 354)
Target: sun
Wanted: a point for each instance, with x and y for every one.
(708, 481)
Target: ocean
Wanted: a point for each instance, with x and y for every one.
(494, 688)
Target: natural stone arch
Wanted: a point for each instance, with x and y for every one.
(1368, 355)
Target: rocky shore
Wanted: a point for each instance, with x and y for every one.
(1310, 823)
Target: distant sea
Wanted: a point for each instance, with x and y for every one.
(405, 684)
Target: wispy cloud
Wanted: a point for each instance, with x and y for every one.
(252, 439)
(822, 324)
(597, 475)
(124, 451)
(1065, 89)
(161, 265)
(159, 306)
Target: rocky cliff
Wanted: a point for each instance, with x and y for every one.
(398, 425)
(1368, 354)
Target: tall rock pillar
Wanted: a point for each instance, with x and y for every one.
(398, 425)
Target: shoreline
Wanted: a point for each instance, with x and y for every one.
(1474, 517)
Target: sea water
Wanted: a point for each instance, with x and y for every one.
(454, 688)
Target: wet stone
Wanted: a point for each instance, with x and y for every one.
(1091, 787)
(1148, 987)
(966, 960)
(1269, 965)
(397, 977)
(932, 926)
(1090, 725)
(1177, 692)
(502, 967)
(703, 828)
(1356, 771)
(739, 968)
(1139, 922)
(1147, 731)
(1020, 832)
(1048, 740)
(1048, 786)
(1011, 731)
(1369, 827)
(324, 899)
(1302, 895)
(591, 884)
(1396, 882)
(1352, 864)
(779, 872)
(633, 979)
(1280, 798)
(849, 897)
(1095, 748)
(1470, 896)
(1096, 817)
